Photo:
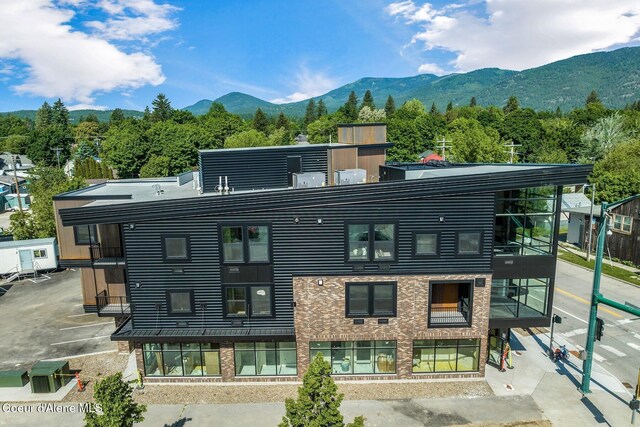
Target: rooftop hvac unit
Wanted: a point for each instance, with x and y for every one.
(350, 176)
(308, 180)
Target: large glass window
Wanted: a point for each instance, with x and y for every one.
(525, 221)
(245, 244)
(180, 302)
(426, 244)
(85, 234)
(265, 358)
(446, 355)
(371, 242)
(519, 298)
(186, 359)
(176, 248)
(256, 297)
(357, 357)
(371, 299)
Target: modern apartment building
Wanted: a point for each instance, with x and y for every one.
(238, 272)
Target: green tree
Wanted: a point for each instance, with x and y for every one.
(410, 110)
(406, 139)
(41, 148)
(592, 98)
(602, 137)
(434, 110)
(44, 116)
(367, 115)
(350, 108)
(59, 114)
(16, 144)
(282, 122)
(473, 102)
(318, 402)
(84, 150)
(162, 109)
(449, 106)
(471, 143)
(260, 122)
(321, 109)
(119, 409)
(390, 106)
(617, 175)
(279, 136)
(156, 167)
(105, 171)
(116, 116)
(512, 105)
(218, 125)
(22, 226)
(87, 132)
(367, 101)
(310, 113)
(318, 132)
(126, 150)
(523, 127)
(248, 138)
(183, 116)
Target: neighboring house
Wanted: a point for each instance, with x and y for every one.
(26, 256)
(624, 223)
(572, 201)
(419, 276)
(8, 195)
(22, 164)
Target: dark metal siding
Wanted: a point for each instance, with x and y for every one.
(299, 249)
(257, 169)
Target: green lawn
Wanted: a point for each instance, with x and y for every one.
(618, 273)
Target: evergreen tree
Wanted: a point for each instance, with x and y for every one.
(434, 110)
(162, 109)
(60, 114)
(118, 406)
(367, 101)
(350, 108)
(146, 115)
(260, 122)
(116, 117)
(450, 106)
(472, 103)
(593, 98)
(390, 106)
(322, 109)
(310, 114)
(44, 116)
(282, 121)
(217, 109)
(318, 402)
(105, 171)
(558, 112)
(512, 105)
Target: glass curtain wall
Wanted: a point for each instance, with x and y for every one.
(446, 355)
(186, 359)
(357, 357)
(265, 358)
(519, 298)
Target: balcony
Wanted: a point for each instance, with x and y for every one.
(106, 256)
(449, 304)
(112, 306)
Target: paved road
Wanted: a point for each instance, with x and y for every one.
(619, 350)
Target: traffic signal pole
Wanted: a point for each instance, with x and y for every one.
(596, 296)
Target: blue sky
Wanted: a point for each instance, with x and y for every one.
(121, 53)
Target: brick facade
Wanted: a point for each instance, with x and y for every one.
(320, 316)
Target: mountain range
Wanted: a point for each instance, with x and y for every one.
(614, 75)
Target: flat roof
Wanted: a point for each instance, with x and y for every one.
(30, 242)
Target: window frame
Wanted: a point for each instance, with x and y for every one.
(370, 247)
(432, 284)
(621, 230)
(350, 350)
(371, 299)
(41, 251)
(435, 351)
(276, 350)
(161, 351)
(248, 301)
(168, 259)
(469, 254)
(170, 312)
(415, 244)
(93, 235)
(245, 242)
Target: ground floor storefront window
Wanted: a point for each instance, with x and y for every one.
(181, 359)
(446, 355)
(357, 357)
(265, 358)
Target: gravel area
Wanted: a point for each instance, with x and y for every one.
(92, 369)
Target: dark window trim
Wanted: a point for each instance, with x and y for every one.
(247, 291)
(245, 242)
(374, 347)
(370, 252)
(415, 244)
(371, 301)
(471, 283)
(469, 254)
(163, 243)
(161, 351)
(276, 350)
(435, 351)
(93, 235)
(168, 293)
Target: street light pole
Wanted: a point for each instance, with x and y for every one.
(15, 178)
(593, 193)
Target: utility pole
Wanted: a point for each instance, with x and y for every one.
(593, 194)
(57, 150)
(443, 147)
(15, 178)
(510, 145)
(596, 296)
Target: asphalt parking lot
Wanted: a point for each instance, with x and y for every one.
(45, 320)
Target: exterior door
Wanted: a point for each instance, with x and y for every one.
(294, 165)
(26, 259)
(498, 339)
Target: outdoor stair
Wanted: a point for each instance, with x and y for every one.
(13, 277)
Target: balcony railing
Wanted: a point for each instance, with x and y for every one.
(450, 316)
(112, 305)
(106, 254)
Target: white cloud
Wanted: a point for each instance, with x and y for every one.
(134, 19)
(86, 107)
(520, 34)
(308, 84)
(60, 61)
(431, 68)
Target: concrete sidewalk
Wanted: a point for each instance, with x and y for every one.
(536, 389)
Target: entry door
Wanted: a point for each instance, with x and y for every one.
(294, 165)
(26, 259)
(498, 339)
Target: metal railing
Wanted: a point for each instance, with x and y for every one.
(99, 252)
(450, 315)
(112, 305)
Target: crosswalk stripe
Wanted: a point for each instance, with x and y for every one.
(624, 321)
(634, 346)
(612, 350)
(575, 332)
